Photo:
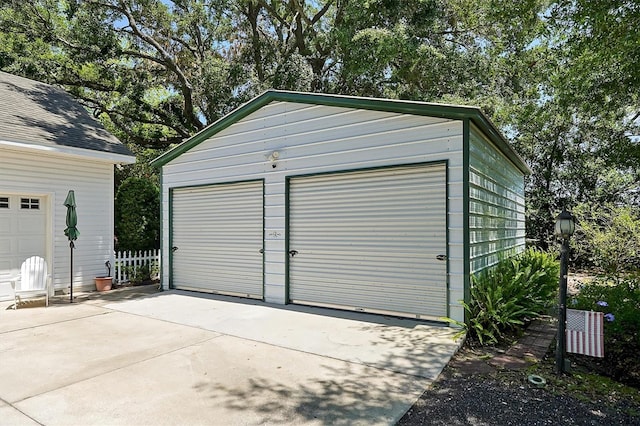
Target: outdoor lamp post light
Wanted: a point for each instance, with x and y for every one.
(565, 226)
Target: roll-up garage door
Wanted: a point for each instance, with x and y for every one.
(217, 239)
(370, 240)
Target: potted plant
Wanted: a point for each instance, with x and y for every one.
(104, 283)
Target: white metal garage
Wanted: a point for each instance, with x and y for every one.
(22, 234)
(373, 205)
(217, 238)
(371, 240)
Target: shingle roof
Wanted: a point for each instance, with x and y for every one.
(37, 113)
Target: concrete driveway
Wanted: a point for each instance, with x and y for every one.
(181, 358)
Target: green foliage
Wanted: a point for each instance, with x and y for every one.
(574, 160)
(608, 238)
(602, 53)
(160, 71)
(141, 274)
(137, 215)
(621, 304)
(578, 134)
(141, 168)
(510, 293)
(560, 79)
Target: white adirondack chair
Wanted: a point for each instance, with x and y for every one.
(33, 280)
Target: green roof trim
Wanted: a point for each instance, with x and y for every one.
(453, 112)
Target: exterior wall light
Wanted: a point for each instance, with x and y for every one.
(273, 157)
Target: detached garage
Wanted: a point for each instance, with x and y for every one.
(362, 204)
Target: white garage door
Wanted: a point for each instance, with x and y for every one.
(22, 235)
(217, 239)
(370, 240)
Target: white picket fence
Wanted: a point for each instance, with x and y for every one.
(127, 263)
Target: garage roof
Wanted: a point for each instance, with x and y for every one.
(35, 113)
(454, 112)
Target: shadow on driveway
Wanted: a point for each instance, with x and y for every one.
(136, 356)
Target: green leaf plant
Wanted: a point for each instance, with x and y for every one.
(508, 295)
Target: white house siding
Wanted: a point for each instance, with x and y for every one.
(496, 204)
(318, 139)
(52, 175)
(23, 230)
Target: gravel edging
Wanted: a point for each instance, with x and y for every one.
(476, 400)
(481, 400)
(489, 386)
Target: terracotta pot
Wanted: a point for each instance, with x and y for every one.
(104, 283)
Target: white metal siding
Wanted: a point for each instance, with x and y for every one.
(496, 204)
(51, 176)
(217, 232)
(368, 240)
(319, 139)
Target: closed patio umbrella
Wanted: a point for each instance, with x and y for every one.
(71, 231)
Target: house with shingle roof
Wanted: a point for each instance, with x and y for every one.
(50, 144)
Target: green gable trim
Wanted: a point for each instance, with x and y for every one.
(170, 254)
(452, 112)
(466, 242)
(163, 255)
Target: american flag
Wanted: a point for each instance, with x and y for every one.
(585, 333)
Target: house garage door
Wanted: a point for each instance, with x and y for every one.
(217, 239)
(370, 240)
(22, 235)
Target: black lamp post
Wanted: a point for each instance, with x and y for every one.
(565, 226)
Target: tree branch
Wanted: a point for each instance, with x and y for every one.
(321, 13)
(161, 121)
(163, 142)
(84, 83)
(48, 26)
(167, 60)
(141, 55)
(273, 12)
(252, 14)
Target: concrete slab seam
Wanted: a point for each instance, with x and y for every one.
(395, 371)
(459, 344)
(120, 368)
(55, 323)
(8, 404)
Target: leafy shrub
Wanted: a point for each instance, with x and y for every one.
(542, 282)
(137, 215)
(513, 291)
(621, 304)
(608, 238)
(142, 273)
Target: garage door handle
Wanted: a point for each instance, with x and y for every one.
(261, 251)
(174, 248)
(441, 257)
(293, 252)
